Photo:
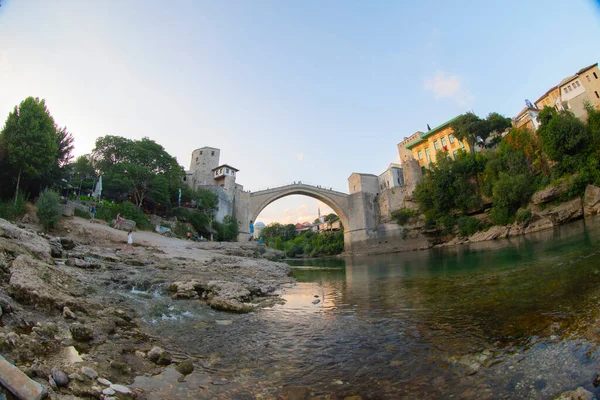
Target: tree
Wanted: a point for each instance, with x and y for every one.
(476, 130)
(30, 140)
(331, 218)
(565, 139)
(141, 168)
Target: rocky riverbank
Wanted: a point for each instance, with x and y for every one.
(63, 326)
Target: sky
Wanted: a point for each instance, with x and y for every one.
(307, 91)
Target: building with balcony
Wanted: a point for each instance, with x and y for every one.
(440, 138)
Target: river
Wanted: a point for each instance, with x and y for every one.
(511, 318)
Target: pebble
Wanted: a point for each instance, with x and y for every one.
(89, 372)
(105, 382)
(53, 384)
(108, 391)
(316, 301)
(316, 295)
(121, 389)
(223, 322)
(61, 378)
(68, 314)
(140, 354)
(338, 382)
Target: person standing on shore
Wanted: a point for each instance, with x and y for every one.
(251, 231)
(93, 212)
(129, 244)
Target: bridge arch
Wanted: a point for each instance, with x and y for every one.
(338, 201)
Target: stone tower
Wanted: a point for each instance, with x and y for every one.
(203, 161)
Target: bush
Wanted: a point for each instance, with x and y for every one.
(48, 209)
(402, 216)
(11, 210)
(467, 226)
(523, 216)
(227, 231)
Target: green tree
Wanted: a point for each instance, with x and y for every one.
(30, 140)
(565, 139)
(331, 218)
(476, 130)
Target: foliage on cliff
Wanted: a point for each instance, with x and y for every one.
(506, 178)
(305, 244)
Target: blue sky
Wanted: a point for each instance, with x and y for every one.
(306, 91)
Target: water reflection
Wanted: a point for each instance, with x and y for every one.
(512, 318)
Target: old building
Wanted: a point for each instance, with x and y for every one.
(527, 119)
(440, 138)
(206, 172)
(391, 177)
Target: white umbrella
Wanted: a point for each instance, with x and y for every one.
(98, 190)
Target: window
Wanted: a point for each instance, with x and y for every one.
(443, 142)
(436, 145)
(420, 154)
(462, 146)
(451, 138)
(227, 170)
(595, 76)
(196, 160)
(212, 153)
(588, 78)
(427, 155)
(596, 93)
(566, 91)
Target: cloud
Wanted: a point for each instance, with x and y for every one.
(299, 156)
(305, 212)
(448, 86)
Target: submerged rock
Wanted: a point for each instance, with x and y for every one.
(185, 368)
(577, 394)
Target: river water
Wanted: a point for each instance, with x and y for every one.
(512, 318)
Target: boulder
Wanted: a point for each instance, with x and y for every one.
(56, 249)
(495, 232)
(66, 210)
(67, 243)
(538, 223)
(159, 356)
(549, 193)
(83, 264)
(18, 383)
(89, 372)
(564, 212)
(591, 200)
(125, 224)
(45, 286)
(20, 241)
(81, 332)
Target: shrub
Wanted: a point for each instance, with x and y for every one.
(523, 216)
(48, 209)
(11, 209)
(467, 226)
(227, 231)
(402, 216)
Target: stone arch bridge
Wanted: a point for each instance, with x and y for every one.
(356, 211)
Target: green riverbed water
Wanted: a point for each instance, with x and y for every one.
(512, 318)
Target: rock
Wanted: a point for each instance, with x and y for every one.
(89, 372)
(20, 241)
(60, 377)
(549, 193)
(18, 383)
(68, 314)
(75, 376)
(121, 389)
(67, 243)
(578, 394)
(56, 249)
(109, 391)
(81, 333)
(159, 356)
(495, 232)
(538, 223)
(316, 301)
(591, 200)
(66, 210)
(140, 354)
(83, 264)
(223, 322)
(105, 382)
(185, 367)
(564, 212)
(228, 296)
(185, 290)
(230, 305)
(45, 286)
(52, 382)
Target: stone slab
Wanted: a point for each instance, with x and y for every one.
(18, 383)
